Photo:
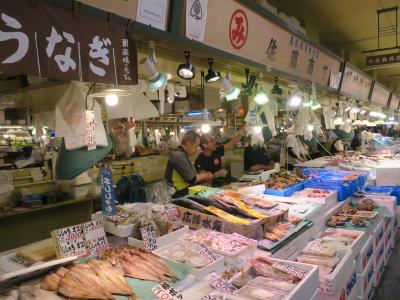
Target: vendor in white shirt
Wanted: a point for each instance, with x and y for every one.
(295, 150)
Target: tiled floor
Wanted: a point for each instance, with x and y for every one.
(389, 287)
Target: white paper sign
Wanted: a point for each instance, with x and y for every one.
(196, 17)
(152, 12)
(165, 291)
(90, 130)
(206, 252)
(334, 79)
(220, 284)
(149, 238)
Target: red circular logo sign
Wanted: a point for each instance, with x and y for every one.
(238, 29)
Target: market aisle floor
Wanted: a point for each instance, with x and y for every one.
(389, 288)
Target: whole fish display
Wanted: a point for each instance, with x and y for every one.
(81, 282)
(138, 263)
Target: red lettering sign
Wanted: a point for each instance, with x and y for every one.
(238, 29)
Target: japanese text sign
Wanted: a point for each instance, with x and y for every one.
(107, 192)
(355, 83)
(149, 237)
(380, 94)
(165, 291)
(48, 41)
(220, 284)
(80, 240)
(206, 252)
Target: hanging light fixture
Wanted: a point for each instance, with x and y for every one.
(156, 79)
(110, 95)
(276, 89)
(250, 81)
(261, 96)
(363, 111)
(186, 71)
(295, 99)
(212, 76)
(231, 92)
(347, 105)
(310, 127)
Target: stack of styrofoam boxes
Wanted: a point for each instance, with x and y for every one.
(379, 244)
(365, 263)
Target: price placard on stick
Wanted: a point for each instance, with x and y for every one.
(149, 237)
(165, 291)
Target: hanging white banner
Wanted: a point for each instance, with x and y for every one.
(196, 17)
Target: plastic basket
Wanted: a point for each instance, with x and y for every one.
(386, 190)
(288, 192)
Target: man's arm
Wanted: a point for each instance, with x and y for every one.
(233, 141)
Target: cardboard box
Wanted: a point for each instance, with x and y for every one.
(197, 220)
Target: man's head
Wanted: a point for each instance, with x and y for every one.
(207, 142)
(190, 142)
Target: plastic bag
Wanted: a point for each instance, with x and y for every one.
(159, 192)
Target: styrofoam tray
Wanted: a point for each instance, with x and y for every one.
(306, 288)
(365, 280)
(123, 231)
(357, 243)
(366, 255)
(217, 265)
(378, 233)
(162, 241)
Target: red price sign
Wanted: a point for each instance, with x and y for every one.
(149, 238)
(165, 291)
(206, 252)
(220, 284)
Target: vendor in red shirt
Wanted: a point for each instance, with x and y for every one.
(209, 160)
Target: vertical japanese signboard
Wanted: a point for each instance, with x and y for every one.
(48, 41)
(107, 192)
(380, 94)
(355, 83)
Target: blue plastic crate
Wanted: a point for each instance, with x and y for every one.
(386, 190)
(286, 192)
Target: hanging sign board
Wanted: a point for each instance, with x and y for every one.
(334, 79)
(196, 16)
(355, 83)
(153, 13)
(48, 41)
(107, 192)
(380, 94)
(395, 101)
(90, 130)
(233, 28)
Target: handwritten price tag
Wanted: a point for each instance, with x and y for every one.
(90, 130)
(203, 250)
(244, 239)
(220, 284)
(171, 211)
(289, 269)
(149, 237)
(165, 291)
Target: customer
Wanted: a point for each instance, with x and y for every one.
(210, 158)
(180, 172)
(256, 158)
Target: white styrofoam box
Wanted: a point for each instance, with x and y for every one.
(388, 252)
(331, 196)
(217, 265)
(332, 283)
(379, 252)
(123, 231)
(388, 223)
(378, 233)
(348, 291)
(366, 255)
(370, 290)
(254, 189)
(388, 203)
(388, 173)
(306, 288)
(316, 295)
(379, 269)
(357, 243)
(366, 279)
(388, 238)
(162, 241)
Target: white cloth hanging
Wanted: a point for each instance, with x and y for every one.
(70, 117)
